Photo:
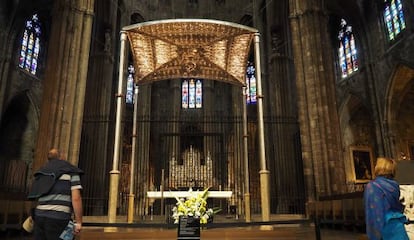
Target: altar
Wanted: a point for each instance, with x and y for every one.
(186, 194)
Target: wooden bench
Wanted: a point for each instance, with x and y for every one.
(339, 211)
(12, 213)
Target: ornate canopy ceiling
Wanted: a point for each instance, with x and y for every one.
(190, 48)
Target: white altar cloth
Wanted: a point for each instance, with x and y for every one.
(186, 194)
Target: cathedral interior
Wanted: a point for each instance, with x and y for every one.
(335, 91)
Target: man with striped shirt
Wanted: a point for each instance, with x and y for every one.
(55, 209)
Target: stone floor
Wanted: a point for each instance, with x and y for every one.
(245, 233)
(280, 227)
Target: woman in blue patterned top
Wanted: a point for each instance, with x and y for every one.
(382, 203)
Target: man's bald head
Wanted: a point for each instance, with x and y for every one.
(53, 154)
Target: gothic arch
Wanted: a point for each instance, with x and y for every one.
(399, 112)
(136, 18)
(356, 129)
(246, 20)
(18, 128)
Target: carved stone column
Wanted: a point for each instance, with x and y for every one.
(65, 80)
(282, 143)
(315, 79)
(97, 126)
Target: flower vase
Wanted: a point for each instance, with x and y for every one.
(188, 228)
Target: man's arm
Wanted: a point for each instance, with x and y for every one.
(77, 208)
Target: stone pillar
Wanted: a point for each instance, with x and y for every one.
(282, 147)
(65, 80)
(315, 82)
(98, 124)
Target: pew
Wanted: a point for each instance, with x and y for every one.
(344, 211)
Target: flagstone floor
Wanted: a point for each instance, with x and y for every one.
(222, 229)
(234, 233)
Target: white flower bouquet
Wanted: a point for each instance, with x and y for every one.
(194, 206)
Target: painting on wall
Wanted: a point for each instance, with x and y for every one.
(362, 161)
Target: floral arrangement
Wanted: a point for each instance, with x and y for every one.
(194, 206)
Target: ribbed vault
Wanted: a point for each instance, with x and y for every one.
(193, 48)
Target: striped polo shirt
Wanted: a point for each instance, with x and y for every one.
(58, 203)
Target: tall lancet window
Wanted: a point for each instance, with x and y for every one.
(129, 97)
(347, 52)
(30, 45)
(251, 83)
(394, 18)
(191, 93)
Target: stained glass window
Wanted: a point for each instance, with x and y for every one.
(199, 94)
(394, 17)
(129, 97)
(251, 83)
(191, 93)
(347, 52)
(30, 45)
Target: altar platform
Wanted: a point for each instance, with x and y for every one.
(235, 233)
(226, 227)
(282, 227)
(186, 194)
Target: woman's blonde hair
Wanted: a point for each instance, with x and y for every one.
(385, 167)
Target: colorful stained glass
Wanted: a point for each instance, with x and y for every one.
(184, 94)
(29, 52)
(199, 94)
(353, 54)
(342, 59)
(388, 22)
(191, 94)
(251, 83)
(129, 96)
(400, 13)
(394, 18)
(36, 50)
(30, 45)
(347, 52)
(23, 49)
